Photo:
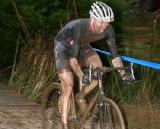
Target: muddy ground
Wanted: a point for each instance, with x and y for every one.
(20, 119)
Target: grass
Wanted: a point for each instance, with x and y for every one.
(36, 67)
(142, 116)
(141, 109)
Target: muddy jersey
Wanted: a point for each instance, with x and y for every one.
(73, 41)
(78, 33)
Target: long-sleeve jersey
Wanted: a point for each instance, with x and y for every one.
(78, 33)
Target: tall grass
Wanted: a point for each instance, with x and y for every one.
(140, 101)
(146, 87)
(36, 63)
(34, 66)
(147, 84)
(34, 69)
(142, 116)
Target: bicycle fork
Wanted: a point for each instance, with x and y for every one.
(100, 111)
(100, 97)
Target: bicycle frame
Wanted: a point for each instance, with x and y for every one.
(101, 111)
(99, 95)
(87, 111)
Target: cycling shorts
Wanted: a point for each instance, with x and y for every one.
(62, 55)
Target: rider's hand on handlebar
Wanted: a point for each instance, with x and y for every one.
(85, 79)
(128, 77)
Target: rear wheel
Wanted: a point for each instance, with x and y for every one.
(107, 115)
(49, 107)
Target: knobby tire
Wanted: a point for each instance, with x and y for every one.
(108, 108)
(49, 107)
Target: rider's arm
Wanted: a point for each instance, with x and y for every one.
(74, 52)
(116, 60)
(127, 77)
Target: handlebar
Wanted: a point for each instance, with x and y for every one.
(105, 69)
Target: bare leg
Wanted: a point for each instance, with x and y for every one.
(81, 102)
(67, 82)
(95, 61)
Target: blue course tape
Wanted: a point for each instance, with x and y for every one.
(134, 60)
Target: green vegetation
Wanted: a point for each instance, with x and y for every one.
(31, 32)
(43, 17)
(33, 67)
(27, 32)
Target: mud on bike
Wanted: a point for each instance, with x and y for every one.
(105, 112)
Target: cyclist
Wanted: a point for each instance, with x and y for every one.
(72, 49)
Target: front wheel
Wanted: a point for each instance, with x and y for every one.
(49, 107)
(107, 115)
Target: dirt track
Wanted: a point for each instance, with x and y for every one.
(18, 112)
(23, 119)
(20, 119)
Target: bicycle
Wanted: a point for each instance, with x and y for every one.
(106, 113)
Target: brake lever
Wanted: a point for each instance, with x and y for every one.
(131, 66)
(90, 72)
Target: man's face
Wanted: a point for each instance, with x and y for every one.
(99, 26)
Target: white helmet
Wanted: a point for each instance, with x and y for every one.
(101, 11)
